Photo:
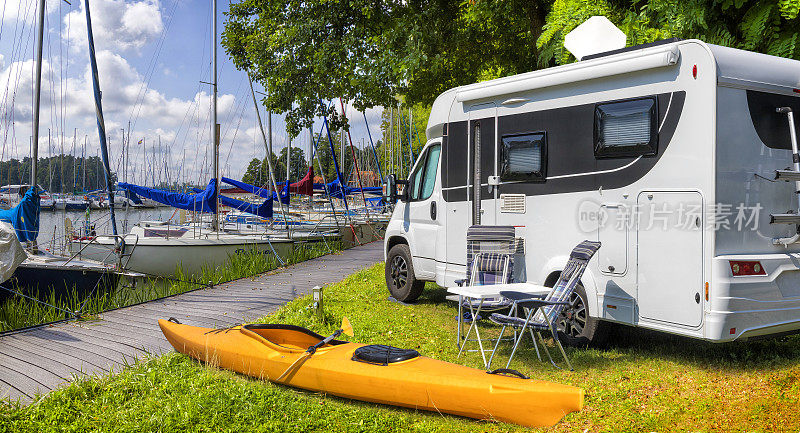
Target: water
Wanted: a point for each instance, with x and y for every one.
(52, 223)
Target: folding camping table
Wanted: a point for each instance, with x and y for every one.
(481, 294)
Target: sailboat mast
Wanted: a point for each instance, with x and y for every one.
(101, 123)
(214, 126)
(268, 142)
(37, 94)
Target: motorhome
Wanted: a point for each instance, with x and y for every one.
(677, 156)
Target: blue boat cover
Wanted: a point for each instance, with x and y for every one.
(24, 216)
(337, 190)
(200, 202)
(264, 210)
(259, 191)
(130, 195)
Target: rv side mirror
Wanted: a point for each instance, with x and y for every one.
(390, 189)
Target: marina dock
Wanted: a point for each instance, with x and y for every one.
(41, 359)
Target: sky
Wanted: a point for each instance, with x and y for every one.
(153, 57)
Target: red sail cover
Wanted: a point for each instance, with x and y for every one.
(305, 185)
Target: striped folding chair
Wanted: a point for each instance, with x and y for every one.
(542, 315)
(490, 260)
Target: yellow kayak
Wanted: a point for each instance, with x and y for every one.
(375, 373)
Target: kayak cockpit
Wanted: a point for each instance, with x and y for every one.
(287, 337)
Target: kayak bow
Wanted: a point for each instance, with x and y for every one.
(375, 373)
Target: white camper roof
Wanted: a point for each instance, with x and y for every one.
(734, 67)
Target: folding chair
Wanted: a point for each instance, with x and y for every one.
(542, 315)
(490, 260)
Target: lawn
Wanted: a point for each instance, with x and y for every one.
(643, 382)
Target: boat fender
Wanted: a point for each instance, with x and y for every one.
(174, 320)
(508, 372)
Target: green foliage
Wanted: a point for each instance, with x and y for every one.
(766, 26)
(55, 173)
(257, 172)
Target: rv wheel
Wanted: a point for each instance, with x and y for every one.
(400, 278)
(577, 327)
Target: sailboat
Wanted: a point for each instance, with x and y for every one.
(41, 271)
(161, 249)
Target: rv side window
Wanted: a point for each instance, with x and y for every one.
(524, 157)
(423, 178)
(625, 128)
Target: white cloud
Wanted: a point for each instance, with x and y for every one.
(117, 24)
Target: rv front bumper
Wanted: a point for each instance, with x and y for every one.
(743, 307)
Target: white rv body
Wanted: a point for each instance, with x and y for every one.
(660, 266)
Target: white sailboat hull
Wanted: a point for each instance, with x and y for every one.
(162, 257)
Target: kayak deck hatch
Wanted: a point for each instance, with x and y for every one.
(381, 354)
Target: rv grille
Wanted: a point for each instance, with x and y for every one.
(512, 203)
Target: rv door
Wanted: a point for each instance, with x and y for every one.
(424, 209)
(483, 150)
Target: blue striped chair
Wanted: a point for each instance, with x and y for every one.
(490, 260)
(542, 315)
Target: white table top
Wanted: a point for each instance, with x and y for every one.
(493, 290)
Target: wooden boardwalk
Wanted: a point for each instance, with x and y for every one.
(41, 359)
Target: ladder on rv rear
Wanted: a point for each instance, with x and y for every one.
(789, 176)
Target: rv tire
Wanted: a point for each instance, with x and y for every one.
(400, 279)
(576, 327)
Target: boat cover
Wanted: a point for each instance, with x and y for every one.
(257, 190)
(24, 217)
(264, 210)
(11, 252)
(336, 190)
(200, 202)
(132, 196)
(304, 186)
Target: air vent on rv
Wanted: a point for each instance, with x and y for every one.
(512, 203)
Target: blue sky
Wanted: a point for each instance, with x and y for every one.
(152, 57)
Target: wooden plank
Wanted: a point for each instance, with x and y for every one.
(123, 345)
(151, 341)
(165, 312)
(9, 392)
(41, 377)
(58, 368)
(60, 349)
(150, 319)
(20, 381)
(35, 351)
(81, 350)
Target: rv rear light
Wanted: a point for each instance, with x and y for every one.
(694, 71)
(733, 331)
(741, 268)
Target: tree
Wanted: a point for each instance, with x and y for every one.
(254, 175)
(766, 26)
(298, 165)
(369, 52)
(378, 52)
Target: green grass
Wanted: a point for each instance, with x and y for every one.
(643, 382)
(19, 312)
